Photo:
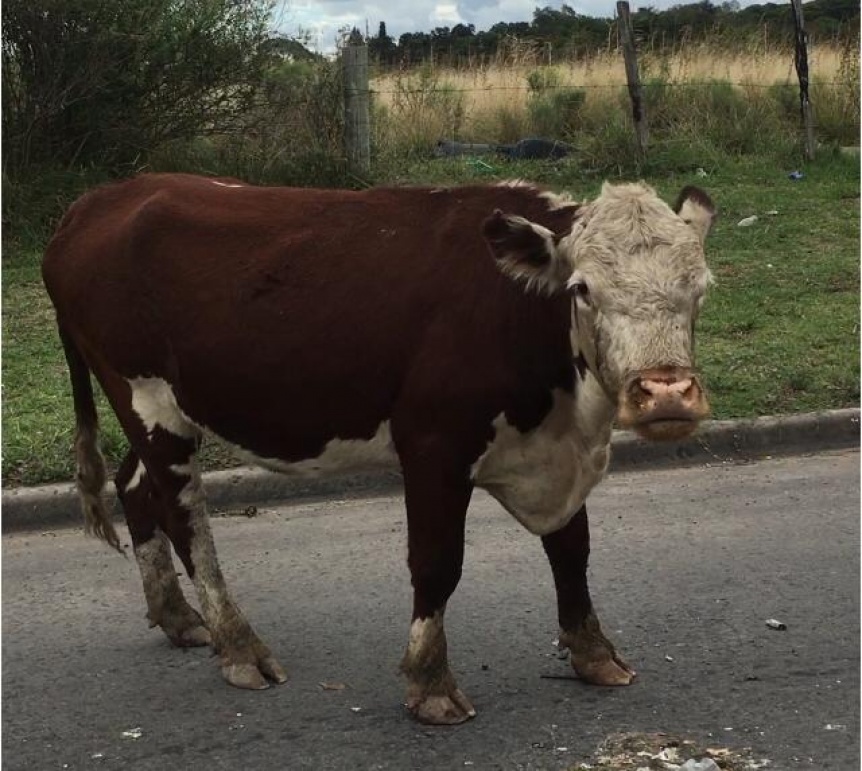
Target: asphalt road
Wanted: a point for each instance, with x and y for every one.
(687, 565)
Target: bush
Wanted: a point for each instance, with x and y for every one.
(836, 105)
(293, 133)
(544, 79)
(731, 119)
(423, 109)
(556, 113)
(33, 206)
(89, 81)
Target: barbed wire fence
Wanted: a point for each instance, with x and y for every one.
(319, 125)
(358, 93)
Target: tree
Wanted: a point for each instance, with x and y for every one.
(463, 30)
(413, 47)
(93, 81)
(382, 48)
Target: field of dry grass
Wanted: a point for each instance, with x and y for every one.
(519, 95)
(696, 63)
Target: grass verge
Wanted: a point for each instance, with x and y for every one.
(779, 332)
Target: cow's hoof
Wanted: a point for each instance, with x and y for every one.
(193, 637)
(605, 670)
(184, 628)
(254, 677)
(593, 656)
(441, 709)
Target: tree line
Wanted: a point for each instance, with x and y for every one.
(562, 33)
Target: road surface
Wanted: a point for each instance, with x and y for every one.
(687, 565)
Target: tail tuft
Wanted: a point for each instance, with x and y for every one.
(92, 474)
(90, 480)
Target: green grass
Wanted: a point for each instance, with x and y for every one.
(779, 333)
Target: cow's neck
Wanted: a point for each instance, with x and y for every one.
(543, 476)
(594, 411)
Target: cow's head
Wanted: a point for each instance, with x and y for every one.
(635, 272)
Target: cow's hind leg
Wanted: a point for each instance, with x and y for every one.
(592, 655)
(436, 511)
(166, 605)
(166, 441)
(245, 661)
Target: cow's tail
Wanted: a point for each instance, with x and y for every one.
(91, 474)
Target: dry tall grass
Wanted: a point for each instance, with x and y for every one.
(696, 63)
(515, 96)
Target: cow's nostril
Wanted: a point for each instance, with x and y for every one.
(665, 388)
(683, 387)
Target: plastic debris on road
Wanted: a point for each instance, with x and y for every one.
(562, 651)
(747, 222)
(704, 764)
(133, 733)
(663, 752)
(774, 623)
(332, 686)
(795, 175)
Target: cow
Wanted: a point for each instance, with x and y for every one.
(474, 336)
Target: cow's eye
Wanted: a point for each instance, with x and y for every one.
(580, 291)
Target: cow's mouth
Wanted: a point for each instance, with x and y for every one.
(666, 429)
(663, 404)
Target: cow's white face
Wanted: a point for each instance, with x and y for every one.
(636, 274)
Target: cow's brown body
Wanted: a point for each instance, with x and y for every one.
(297, 323)
(327, 312)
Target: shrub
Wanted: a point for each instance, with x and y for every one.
(88, 81)
(556, 113)
(292, 136)
(541, 80)
(422, 110)
(836, 104)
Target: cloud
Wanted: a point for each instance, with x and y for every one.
(324, 18)
(445, 15)
(484, 14)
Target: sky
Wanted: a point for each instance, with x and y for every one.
(321, 19)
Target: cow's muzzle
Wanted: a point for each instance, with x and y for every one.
(663, 404)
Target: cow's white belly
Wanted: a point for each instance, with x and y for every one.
(155, 403)
(544, 476)
(339, 456)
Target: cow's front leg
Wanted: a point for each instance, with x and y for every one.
(436, 511)
(592, 655)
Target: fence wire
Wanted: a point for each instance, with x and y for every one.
(443, 88)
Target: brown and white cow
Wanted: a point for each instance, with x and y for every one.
(482, 336)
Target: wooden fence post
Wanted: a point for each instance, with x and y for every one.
(357, 135)
(632, 77)
(801, 61)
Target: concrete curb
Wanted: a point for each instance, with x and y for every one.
(727, 441)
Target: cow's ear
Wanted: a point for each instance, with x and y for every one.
(696, 209)
(526, 251)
